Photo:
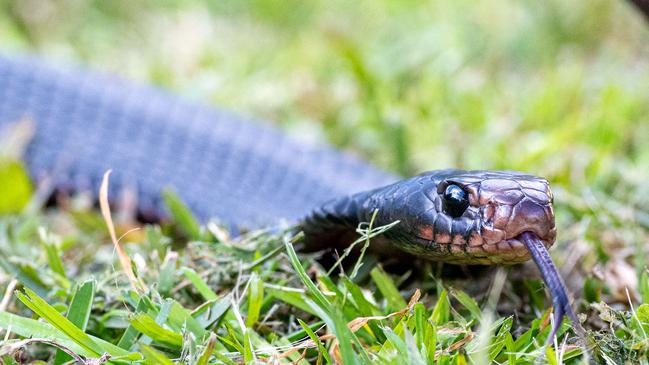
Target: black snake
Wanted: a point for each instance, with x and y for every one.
(249, 174)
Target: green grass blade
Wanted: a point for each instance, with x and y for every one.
(316, 340)
(311, 287)
(180, 317)
(131, 333)
(182, 215)
(207, 352)
(26, 327)
(441, 312)
(255, 299)
(468, 303)
(325, 310)
(28, 278)
(47, 312)
(54, 258)
(200, 284)
(388, 289)
(78, 313)
(148, 326)
(154, 357)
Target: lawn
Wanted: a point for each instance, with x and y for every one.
(558, 89)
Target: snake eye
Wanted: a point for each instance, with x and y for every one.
(455, 201)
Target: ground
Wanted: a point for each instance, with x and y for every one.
(556, 88)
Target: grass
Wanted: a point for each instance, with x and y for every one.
(557, 89)
(273, 309)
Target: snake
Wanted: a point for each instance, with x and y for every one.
(247, 173)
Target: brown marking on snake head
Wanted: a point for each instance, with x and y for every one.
(426, 232)
(476, 250)
(475, 239)
(458, 239)
(492, 235)
(442, 229)
(457, 249)
(490, 248)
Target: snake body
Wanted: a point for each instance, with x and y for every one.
(248, 174)
(245, 173)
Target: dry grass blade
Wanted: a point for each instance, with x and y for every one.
(124, 259)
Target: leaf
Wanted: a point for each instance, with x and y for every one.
(52, 252)
(420, 324)
(25, 274)
(293, 298)
(328, 313)
(210, 312)
(321, 300)
(414, 356)
(643, 285)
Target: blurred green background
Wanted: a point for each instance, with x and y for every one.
(559, 89)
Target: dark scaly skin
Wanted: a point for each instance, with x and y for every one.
(502, 205)
(509, 220)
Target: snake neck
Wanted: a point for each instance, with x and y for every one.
(334, 223)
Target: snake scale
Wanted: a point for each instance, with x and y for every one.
(248, 174)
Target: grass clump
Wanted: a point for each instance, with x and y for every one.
(253, 299)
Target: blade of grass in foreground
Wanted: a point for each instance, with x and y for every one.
(43, 309)
(78, 313)
(26, 327)
(328, 313)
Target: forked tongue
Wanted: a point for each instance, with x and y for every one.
(554, 283)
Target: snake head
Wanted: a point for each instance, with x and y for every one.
(505, 204)
(485, 227)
